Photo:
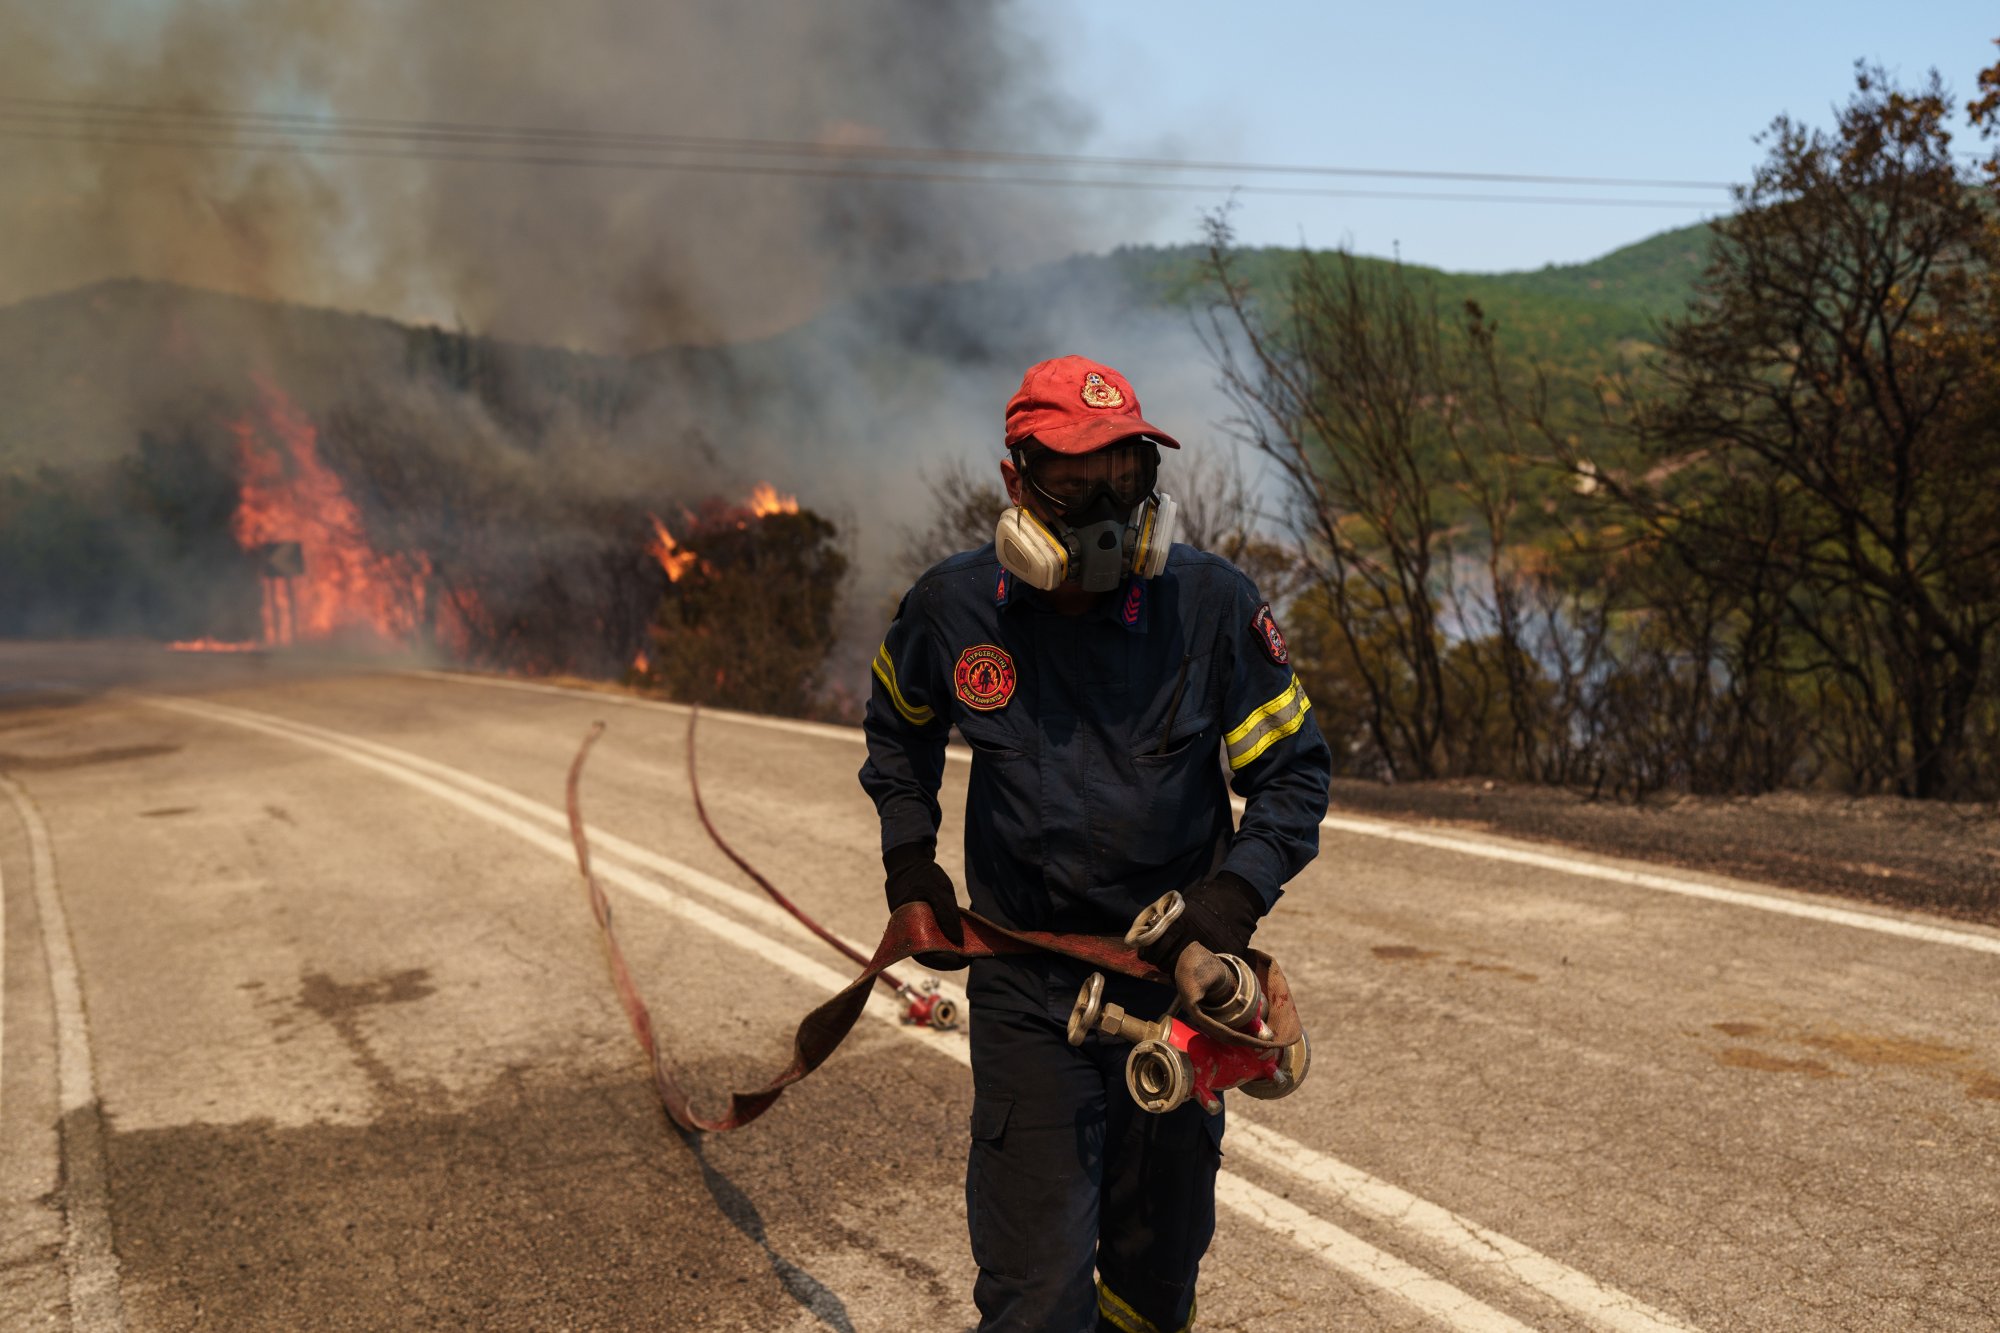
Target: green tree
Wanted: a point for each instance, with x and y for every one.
(1822, 445)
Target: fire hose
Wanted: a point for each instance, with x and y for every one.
(922, 1004)
(1232, 1038)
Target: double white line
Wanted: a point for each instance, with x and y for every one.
(90, 1264)
(1501, 1261)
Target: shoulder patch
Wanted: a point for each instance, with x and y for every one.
(1269, 636)
(984, 677)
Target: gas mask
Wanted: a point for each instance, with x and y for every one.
(1108, 521)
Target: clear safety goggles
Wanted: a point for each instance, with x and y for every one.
(1070, 483)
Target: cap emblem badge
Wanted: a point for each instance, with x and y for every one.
(1100, 392)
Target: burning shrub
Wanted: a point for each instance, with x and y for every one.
(410, 517)
(523, 554)
(749, 617)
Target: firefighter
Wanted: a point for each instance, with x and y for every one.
(1107, 681)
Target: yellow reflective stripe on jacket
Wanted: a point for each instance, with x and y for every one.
(1268, 725)
(885, 671)
(1114, 1310)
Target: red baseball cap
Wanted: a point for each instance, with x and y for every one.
(1076, 406)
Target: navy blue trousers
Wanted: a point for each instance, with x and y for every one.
(1066, 1173)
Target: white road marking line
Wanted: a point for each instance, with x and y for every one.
(1440, 1300)
(753, 905)
(1313, 1233)
(823, 730)
(1369, 1193)
(90, 1262)
(1490, 1251)
(1605, 1305)
(1465, 844)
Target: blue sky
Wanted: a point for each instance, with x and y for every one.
(1663, 90)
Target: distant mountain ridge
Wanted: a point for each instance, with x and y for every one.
(851, 411)
(1576, 315)
(82, 371)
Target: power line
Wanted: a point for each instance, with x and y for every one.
(117, 115)
(144, 138)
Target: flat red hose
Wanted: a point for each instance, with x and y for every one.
(911, 929)
(694, 784)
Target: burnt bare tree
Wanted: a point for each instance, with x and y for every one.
(1388, 423)
(1219, 513)
(964, 506)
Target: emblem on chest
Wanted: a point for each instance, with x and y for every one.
(985, 677)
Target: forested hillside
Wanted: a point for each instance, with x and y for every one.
(132, 407)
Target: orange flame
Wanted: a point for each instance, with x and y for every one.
(340, 585)
(215, 646)
(668, 552)
(765, 501)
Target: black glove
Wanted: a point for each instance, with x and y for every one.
(1219, 915)
(916, 877)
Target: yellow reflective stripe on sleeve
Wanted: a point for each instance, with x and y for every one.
(1249, 723)
(1268, 725)
(1115, 1311)
(1274, 735)
(885, 671)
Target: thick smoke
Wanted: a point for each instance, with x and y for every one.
(834, 335)
(605, 257)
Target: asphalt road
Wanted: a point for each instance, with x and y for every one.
(306, 1026)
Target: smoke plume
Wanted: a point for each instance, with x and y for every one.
(609, 257)
(772, 315)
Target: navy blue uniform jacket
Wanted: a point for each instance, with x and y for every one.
(1100, 743)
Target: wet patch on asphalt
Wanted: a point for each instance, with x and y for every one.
(1874, 1049)
(1496, 969)
(342, 1007)
(1746, 1057)
(1410, 953)
(556, 1200)
(1867, 1050)
(116, 754)
(540, 1205)
(30, 697)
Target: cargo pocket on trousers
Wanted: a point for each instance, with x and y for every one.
(989, 1130)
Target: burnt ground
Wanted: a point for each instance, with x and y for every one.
(1924, 854)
